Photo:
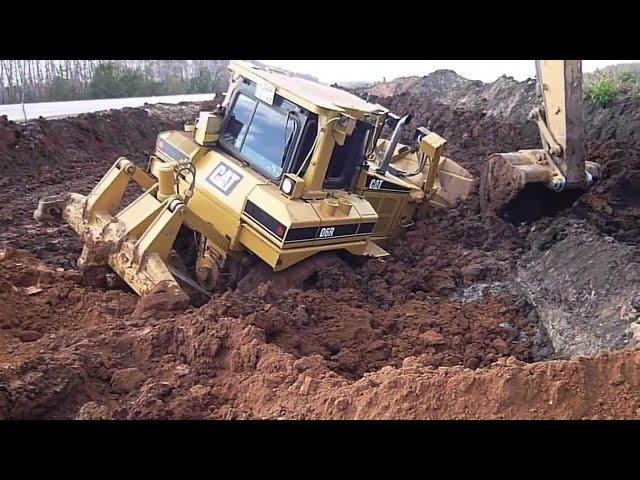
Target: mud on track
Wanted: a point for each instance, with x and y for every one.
(436, 331)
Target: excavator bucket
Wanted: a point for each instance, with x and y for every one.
(526, 185)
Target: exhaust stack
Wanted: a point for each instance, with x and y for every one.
(395, 138)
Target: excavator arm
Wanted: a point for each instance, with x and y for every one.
(560, 164)
(561, 125)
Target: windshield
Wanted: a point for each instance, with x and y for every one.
(259, 133)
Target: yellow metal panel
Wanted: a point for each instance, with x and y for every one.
(138, 215)
(554, 94)
(160, 235)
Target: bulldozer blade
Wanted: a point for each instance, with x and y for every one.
(452, 185)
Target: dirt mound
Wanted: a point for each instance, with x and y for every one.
(472, 135)
(505, 97)
(208, 363)
(613, 204)
(47, 322)
(443, 95)
(585, 286)
(619, 122)
(51, 144)
(204, 366)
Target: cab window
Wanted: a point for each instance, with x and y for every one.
(260, 134)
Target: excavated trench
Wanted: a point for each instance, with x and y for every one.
(444, 316)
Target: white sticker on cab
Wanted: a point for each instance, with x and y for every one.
(266, 92)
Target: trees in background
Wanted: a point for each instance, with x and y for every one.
(57, 80)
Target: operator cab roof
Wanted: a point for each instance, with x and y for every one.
(315, 97)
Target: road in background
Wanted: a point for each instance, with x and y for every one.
(64, 109)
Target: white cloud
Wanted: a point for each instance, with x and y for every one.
(329, 71)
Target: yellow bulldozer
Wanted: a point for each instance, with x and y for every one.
(281, 178)
(287, 175)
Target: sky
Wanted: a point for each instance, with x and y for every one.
(330, 71)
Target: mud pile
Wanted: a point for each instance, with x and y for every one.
(472, 135)
(505, 97)
(49, 145)
(613, 204)
(586, 287)
(445, 299)
(443, 95)
(568, 276)
(47, 321)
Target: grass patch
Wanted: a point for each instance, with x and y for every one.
(603, 87)
(602, 92)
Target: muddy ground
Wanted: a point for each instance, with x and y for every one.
(442, 329)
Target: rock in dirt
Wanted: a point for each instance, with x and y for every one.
(127, 379)
(28, 335)
(306, 363)
(432, 338)
(93, 411)
(586, 289)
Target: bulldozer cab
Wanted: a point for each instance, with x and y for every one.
(281, 177)
(274, 136)
(279, 124)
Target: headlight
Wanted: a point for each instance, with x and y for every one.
(287, 186)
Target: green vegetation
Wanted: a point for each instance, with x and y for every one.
(603, 87)
(59, 80)
(111, 81)
(627, 76)
(602, 92)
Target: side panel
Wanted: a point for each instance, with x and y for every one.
(386, 197)
(388, 206)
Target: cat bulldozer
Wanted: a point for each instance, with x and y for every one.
(283, 177)
(529, 184)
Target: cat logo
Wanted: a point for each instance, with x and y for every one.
(224, 178)
(375, 184)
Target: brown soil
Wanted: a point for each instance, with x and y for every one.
(438, 330)
(93, 359)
